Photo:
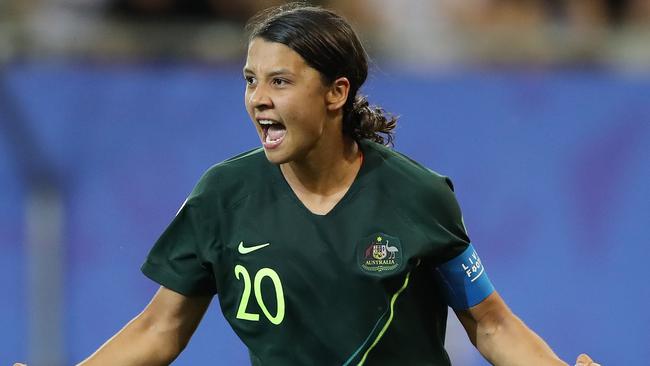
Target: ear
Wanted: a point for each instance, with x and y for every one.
(337, 94)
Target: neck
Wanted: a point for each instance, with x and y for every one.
(327, 172)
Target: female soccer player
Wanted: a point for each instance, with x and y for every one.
(324, 246)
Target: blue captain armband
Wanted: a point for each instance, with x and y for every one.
(463, 280)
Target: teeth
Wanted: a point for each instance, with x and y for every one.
(266, 122)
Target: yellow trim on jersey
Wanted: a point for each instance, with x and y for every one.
(390, 319)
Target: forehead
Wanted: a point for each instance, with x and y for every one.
(263, 56)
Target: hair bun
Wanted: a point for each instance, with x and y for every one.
(371, 122)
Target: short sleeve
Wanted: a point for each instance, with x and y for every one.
(459, 270)
(175, 261)
(446, 224)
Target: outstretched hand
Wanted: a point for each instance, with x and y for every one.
(584, 360)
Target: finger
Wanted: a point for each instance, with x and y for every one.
(584, 358)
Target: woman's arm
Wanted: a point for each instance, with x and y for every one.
(157, 335)
(502, 338)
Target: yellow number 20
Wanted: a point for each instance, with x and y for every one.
(259, 276)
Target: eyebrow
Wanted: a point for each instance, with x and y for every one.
(272, 73)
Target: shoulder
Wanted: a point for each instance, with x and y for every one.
(423, 195)
(231, 179)
(405, 174)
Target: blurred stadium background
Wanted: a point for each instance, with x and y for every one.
(539, 110)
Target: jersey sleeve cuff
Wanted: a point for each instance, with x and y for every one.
(174, 282)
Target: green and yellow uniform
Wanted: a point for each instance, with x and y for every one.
(353, 286)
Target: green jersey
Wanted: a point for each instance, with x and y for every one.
(354, 286)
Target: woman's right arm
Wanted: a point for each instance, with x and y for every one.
(157, 335)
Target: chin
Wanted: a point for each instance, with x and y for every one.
(275, 157)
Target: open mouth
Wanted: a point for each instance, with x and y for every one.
(272, 133)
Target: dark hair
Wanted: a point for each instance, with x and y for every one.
(327, 43)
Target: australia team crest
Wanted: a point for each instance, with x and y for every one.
(379, 253)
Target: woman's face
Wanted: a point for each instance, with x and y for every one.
(286, 100)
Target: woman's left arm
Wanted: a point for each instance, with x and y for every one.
(502, 338)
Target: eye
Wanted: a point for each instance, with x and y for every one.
(250, 80)
(279, 82)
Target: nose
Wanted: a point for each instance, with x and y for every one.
(259, 98)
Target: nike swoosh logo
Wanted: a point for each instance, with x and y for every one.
(245, 250)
